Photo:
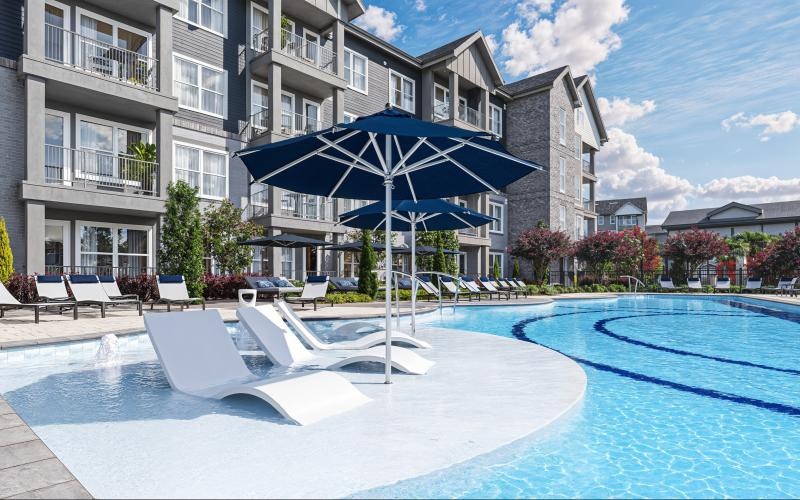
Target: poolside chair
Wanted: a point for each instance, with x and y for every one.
(271, 286)
(51, 288)
(283, 348)
(365, 342)
(753, 285)
(9, 302)
(665, 282)
(694, 283)
(454, 291)
(314, 291)
(87, 290)
(428, 287)
(504, 287)
(109, 283)
(470, 285)
(199, 358)
(723, 284)
(486, 283)
(785, 285)
(344, 284)
(509, 282)
(404, 283)
(172, 290)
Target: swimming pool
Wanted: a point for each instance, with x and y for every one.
(687, 397)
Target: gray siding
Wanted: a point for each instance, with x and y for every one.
(12, 161)
(10, 29)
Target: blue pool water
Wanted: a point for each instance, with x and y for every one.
(687, 397)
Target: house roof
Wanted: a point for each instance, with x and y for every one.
(608, 207)
(535, 82)
(457, 46)
(445, 49)
(584, 82)
(761, 212)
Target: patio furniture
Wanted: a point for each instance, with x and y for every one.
(785, 285)
(109, 283)
(470, 285)
(271, 286)
(512, 285)
(665, 282)
(245, 302)
(9, 302)
(199, 358)
(451, 288)
(51, 288)
(694, 283)
(753, 285)
(314, 291)
(487, 285)
(345, 284)
(722, 284)
(172, 290)
(371, 339)
(427, 286)
(87, 290)
(283, 348)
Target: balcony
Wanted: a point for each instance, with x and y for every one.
(292, 124)
(588, 205)
(302, 206)
(298, 48)
(441, 110)
(470, 115)
(102, 171)
(100, 58)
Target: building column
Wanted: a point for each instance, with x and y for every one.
(164, 46)
(338, 106)
(338, 40)
(485, 108)
(275, 11)
(164, 124)
(33, 40)
(274, 254)
(427, 94)
(34, 125)
(453, 88)
(274, 95)
(34, 235)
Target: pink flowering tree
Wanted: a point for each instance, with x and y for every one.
(689, 249)
(779, 258)
(540, 246)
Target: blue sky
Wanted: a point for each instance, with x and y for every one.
(700, 63)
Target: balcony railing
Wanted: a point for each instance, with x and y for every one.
(441, 110)
(469, 231)
(587, 167)
(85, 168)
(588, 205)
(100, 58)
(260, 40)
(296, 124)
(307, 51)
(470, 115)
(305, 206)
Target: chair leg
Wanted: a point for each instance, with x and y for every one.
(36, 315)
(102, 310)
(204, 305)
(75, 311)
(140, 308)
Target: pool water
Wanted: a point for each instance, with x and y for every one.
(687, 397)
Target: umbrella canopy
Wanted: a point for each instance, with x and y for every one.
(374, 155)
(285, 241)
(428, 215)
(355, 246)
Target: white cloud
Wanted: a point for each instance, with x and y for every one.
(491, 41)
(420, 5)
(775, 123)
(619, 111)
(531, 9)
(579, 34)
(381, 22)
(749, 188)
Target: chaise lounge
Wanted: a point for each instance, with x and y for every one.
(9, 302)
(314, 291)
(172, 291)
(87, 290)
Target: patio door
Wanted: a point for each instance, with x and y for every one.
(260, 20)
(96, 49)
(441, 102)
(287, 114)
(56, 246)
(312, 115)
(56, 147)
(56, 35)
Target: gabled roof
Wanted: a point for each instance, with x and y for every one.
(355, 8)
(583, 82)
(608, 207)
(542, 81)
(459, 45)
(762, 212)
(445, 50)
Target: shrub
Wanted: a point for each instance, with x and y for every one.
(367, 279)
(541, 246)
(223, 287)
(689, 249)
(617, 288)
(6, 257)
(534, 290)
(22, 288)
(349, 297)
(224, 229)
(143, 286)
(598, 288)
(181, 250)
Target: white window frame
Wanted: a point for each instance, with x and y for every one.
(67, 37)
(499, 222)
(254, 7)
(200, 89)
(562, 217)
(392, 73)
(562, 174)
(562, 126)
(67, 144)
(293, 112)
(292, 269)
(253, 85)
(114, 240)
(578, 189)
(499, 132)
(366, 71)
(500, 256)
(601, 220)
(116, 25)
(66, 227)
(318, 104)
(223, 34)
(352, 117)
(315, 36)
(115, 126)
(446, 93)
(210, 150)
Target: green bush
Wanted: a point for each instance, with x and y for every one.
(534, 290)
(181, 248)
(349, 297)
(598, 288)
(367, 279)
(404, 295)
(617, 288)
(6, 258)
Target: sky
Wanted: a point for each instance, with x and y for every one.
(701, 99)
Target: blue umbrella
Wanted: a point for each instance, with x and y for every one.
(409, 215)
(390, 150)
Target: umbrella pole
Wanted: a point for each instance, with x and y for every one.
(413, 277)
(388, 184)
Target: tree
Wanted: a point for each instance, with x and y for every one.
(649, 259)
(446, 240)
(6, 257)
(181, 249)
(691, 248)
(223, 231)
(780, 258)
(515, 271)
(540, 246)
(367, 279)
(597, 251)
(496, 269)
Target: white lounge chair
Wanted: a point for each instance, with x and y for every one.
(314, 291)
(666, 283)
(172, 290)
(283, 348)
(723, 284)
(486, 283)
(785, 285)
(365, 342)
(694, 283)
(87, 290)
(452, 289)
(199, 358)
(753, 285)
(109, 284)
(428, 287)
(9, 302)
(470, 285)
(51, 288)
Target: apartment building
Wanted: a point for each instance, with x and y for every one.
(201, 79)
(619, 214)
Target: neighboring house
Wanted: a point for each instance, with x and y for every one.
(201, 80)
(735, 218)
(624, 213)
(657, 232)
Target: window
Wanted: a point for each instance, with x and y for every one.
(578, 227)
(311, 46)
(562, 126)
(627, 220)
(441, 102)
(208, 14)
(287, 113)
(260, 25)
(287, 262)
(401, 91)
(104, 142)
(202, 168)
(259, 200)
(200, 87)
(578, 146)
(311, 117)
(496, 257)
(56, 245)
(495, 120)
(350, 117)
(355, 70)
(351, 262)
(496, 211)
(562, 217)
(578, 117)
(259, 106)
(562, 175)
(578, 188)
(113, 249)
(601, 220)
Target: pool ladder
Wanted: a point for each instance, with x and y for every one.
(636, 282)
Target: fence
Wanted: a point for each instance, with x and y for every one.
(707, 275)
(101, 270)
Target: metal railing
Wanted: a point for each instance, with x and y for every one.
(100, 58)
(101, 270)
(441, 110)
(587, 167)
(84, 168)
(260, 40)
(469, 231)
(298, 47)
(295, 124)
(470, 115)
(588, 205)
(304, 206)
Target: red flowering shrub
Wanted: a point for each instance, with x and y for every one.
(142, 285)
(780, 258)
(540, 246)
(22, 288)
(223, 287)
(691, 248)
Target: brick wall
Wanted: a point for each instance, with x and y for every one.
(12, 159)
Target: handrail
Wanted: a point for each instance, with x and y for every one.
(636, 284)
(415, 281)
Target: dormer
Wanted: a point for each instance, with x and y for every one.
(735, 210)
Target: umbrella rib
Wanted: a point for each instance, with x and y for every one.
(411, 188)
(467, 171)
(462, 220)
(378, 152)
(498, 153)
(348, 153)
(422, 167)
(303, 158)
(348, 163)
(438, 155)
(411, 151)
(349, 169)
(379, 223)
